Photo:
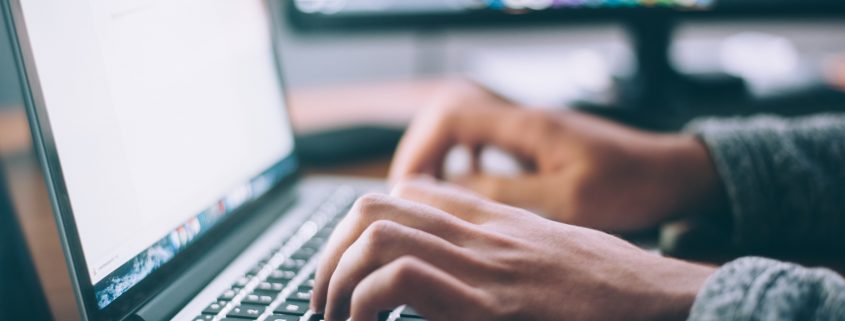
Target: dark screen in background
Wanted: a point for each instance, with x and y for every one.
(597, 8)
(388, 7)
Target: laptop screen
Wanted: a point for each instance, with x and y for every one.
(167, 115)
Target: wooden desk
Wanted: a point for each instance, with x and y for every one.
(312, 109)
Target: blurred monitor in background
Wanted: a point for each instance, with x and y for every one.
(313, 9)
(654, 83)
(316, 13)
(456, 6)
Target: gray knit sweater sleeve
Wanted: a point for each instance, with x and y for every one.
(757, 289)
(785, 179)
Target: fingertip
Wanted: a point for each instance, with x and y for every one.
(318, 293)
(317, 307)
(336, 309)
(359, 313)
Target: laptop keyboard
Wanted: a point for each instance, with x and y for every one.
(279, 286)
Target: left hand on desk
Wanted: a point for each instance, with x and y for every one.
(583, 170)
(452, 255)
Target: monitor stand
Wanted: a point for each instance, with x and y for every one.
(656, 84)
(658, 96)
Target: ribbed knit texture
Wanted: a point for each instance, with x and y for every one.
(785, 180)
(757, 289)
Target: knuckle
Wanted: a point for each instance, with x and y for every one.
(369, 204)
(380, 234)
(405, 272)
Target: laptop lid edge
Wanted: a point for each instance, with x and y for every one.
(32, 99)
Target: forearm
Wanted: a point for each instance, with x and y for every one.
(761, 289)
(784, 179)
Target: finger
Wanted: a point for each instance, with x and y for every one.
(522, 191)
(373, 207)
(436, 130)
(382, 243)
(449, 198)
(435, 294)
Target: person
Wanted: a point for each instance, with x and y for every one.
(451, 252)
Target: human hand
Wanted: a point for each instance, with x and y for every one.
(582, 170)
(452, 255)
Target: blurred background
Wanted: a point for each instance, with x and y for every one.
(357, 70)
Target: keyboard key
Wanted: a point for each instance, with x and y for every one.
(292, 308)
(228, 295)
(255, 270)
(410, 313)
(290, 268)
(316, 317)
(324, 233)
(204, 317)
(271, 294)
(247, 311)
(315, 242)
(304, 253)
(283, 317)
(384, 315)
(257, 299)
(214, 308)
(293, 264)
(309, 283)
(270, 286)
(302, 294)
(281, 276)
(242, 282)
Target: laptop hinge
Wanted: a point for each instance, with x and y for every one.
(179, 293)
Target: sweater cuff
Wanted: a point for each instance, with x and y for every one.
(737, 158)
(755, 288)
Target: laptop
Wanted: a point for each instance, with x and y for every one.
(164, 135)
(21, 296)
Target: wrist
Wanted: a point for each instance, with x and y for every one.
(665, 288)
(681, 282)
(690, 177)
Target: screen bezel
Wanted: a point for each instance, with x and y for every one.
(308, 22)
(44, 144)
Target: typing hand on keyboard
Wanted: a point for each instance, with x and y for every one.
(452, 255)
(279, 287)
